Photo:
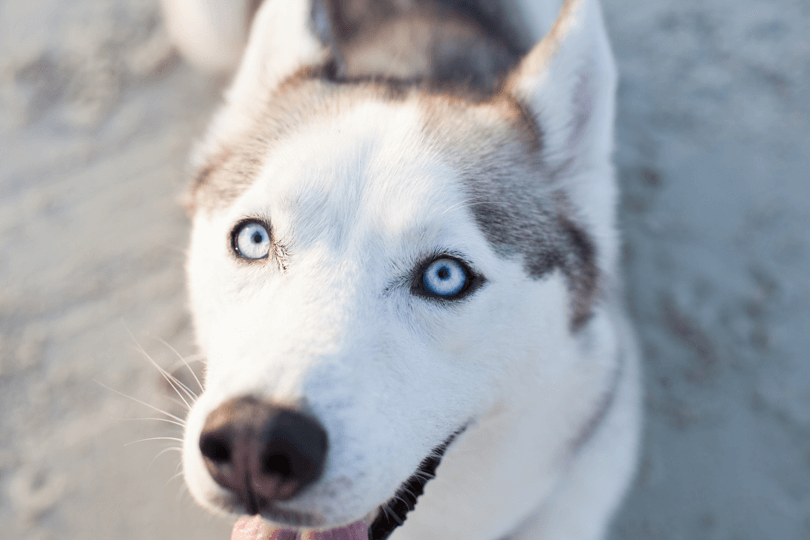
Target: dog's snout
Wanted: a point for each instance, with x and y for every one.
(262, 452)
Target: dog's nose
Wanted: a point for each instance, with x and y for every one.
(262, 452)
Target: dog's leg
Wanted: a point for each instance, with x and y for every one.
(582, 505)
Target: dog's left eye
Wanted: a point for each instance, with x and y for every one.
(445, 278)
(251, 240)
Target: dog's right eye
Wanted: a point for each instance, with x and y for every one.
(251, 240)
(445, 278)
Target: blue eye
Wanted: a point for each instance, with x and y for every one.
(444, 277)
(251, 240)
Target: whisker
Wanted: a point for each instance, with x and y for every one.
(162, 371)
(409, 492)
(394, 514)
(139, 401)
(178, 402)
(182, 491)
(168, 377)
(174, 476)
(155, 439)
(424, 475)
(181, 424)
(191, 395)
(170, 449)
(180, 356)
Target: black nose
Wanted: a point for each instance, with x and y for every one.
(262, 452)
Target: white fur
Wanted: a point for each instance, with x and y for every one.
(391, 375)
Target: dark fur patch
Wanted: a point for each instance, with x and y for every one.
(440, 41)
(546, 239)
(580, 269)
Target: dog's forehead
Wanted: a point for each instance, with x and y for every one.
(393, 168)
(324, 160)
(369, 161)
(413, 123)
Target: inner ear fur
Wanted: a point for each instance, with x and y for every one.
(568, 81)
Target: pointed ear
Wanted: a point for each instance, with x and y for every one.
(568, 82)
(285, 37)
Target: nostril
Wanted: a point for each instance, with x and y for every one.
(215, 448)
(262, 452)
(277, 464)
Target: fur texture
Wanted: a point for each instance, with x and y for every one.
(372, 138)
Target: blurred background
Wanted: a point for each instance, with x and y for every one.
(97, 113)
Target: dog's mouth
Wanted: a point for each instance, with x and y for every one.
(393, 513)
(389, 516)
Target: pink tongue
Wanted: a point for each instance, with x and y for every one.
(255, 528)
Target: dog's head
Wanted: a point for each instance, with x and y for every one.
(375, 265)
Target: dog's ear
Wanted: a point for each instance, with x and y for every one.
(568, 83)
(285, 37)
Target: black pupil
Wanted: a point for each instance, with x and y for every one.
(257, 237)
(444, 273)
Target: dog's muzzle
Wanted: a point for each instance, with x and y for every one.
(261, 452)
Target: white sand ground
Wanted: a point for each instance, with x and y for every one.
(96, 116)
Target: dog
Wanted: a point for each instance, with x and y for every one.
(404, 270)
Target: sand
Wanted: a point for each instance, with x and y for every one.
(96, 117)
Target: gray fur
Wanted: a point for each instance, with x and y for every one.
(516, 221)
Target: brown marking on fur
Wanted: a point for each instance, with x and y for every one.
(525, 122)
(212, 166)
(200, 178)
(542, 55)
(290, 107)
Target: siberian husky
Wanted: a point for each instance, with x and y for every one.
(403, 271)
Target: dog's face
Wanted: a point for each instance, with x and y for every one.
(390, 264)
(337, 317)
